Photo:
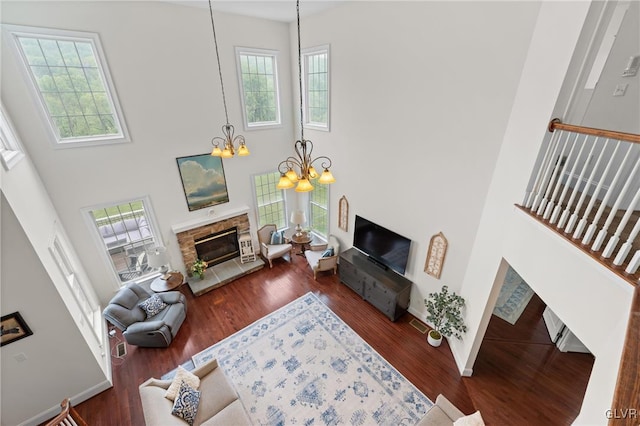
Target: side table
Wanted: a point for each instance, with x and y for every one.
(173, 280)
(302, 241)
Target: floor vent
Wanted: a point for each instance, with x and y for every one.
(121, 350)
(419, 326)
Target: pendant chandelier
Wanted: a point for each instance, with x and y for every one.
(300, 169)
(228, 140)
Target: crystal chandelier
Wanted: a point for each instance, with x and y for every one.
(300, 169)
(228, 140)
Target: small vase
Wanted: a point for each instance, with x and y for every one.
(432, 341)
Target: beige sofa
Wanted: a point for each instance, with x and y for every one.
(443, 413)
(219, 403)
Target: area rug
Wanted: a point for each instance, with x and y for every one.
(303, 365)
(514, 297)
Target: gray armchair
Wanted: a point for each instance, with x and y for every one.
(158, 330)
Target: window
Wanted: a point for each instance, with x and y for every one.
(10, 148)
(127, 232)
(83, 300)
(315, 63)
(319, 210)
(259, 87)
(69, 76)
(270, 201)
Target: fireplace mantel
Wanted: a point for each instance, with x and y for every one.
(212, 218)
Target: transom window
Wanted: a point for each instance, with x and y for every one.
(259, 87)
(316, 87)
(71, 80)
(270, 201)
(127, 232)
(10, 148)
(319, 210)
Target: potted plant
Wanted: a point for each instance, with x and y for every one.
(444, 312)
(198, 268)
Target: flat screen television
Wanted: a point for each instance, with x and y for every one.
(383, 246)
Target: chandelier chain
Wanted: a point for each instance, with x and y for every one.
(300, 72)
(215, 41)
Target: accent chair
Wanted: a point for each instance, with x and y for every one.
(270, 248)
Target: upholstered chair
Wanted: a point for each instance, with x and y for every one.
(320, 259)
(272, 245)
(147, 318)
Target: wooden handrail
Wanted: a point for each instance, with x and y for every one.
(556, 124)
(625, 408)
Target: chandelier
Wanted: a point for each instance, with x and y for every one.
(301, 169)
(229, 139)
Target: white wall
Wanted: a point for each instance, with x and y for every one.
(421, 94)
(162, 60)
(572, 286)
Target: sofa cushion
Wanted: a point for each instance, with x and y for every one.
(182, 375)
(126, 298)
(186, 403)
(232, 414)
(152, 306)
(217, 392)
(435, 417)
(474, 419)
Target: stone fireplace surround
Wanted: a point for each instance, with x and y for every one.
(189, 232)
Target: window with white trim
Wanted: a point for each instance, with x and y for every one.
(89, 308)
(71, 80)
(258, 77)
(271, 203)
(127, 233)
(315, 69)
(10, 147)
(319, 211)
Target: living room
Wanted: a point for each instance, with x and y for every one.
(432, 74)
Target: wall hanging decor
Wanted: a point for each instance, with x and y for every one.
(343, 214)
(435, 255)
(13, 328)
(203, 181)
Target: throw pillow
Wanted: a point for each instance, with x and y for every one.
(474, 419)
(328, 252)
(182, 376)
(277, 237)
(153, 305)
(186, 404)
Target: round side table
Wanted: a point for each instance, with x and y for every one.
(173, 281)
(302, 241)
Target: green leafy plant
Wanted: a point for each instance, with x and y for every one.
(445, 314)
(198, 267)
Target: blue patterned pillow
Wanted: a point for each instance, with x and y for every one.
(277, 237)
(186, 403)
(153, 305)
(328, 252)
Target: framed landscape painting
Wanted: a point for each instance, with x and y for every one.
(13, 328)
(203, 181)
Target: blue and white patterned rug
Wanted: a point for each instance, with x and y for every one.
(303, 365)
(514, 297)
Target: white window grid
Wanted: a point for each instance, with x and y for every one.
(316, 87)
(80, 96)
(11, 151)
(259, 89)
(271, 202)
(319, 210)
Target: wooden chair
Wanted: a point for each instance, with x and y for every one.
(67, 417)
(272, 251)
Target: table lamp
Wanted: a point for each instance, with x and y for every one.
(158, 258)
(298, 217)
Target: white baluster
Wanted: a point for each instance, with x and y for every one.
(551, 206)
(626, 247)
(543, 165)
(554, 173)
(542, 189)
(612, 214)
(632, 267)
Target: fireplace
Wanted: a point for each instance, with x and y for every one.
(218, 247)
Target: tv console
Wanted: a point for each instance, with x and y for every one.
(387, 291)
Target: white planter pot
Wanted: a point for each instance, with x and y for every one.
(434, 342)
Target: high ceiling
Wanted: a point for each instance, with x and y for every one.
(284, 11)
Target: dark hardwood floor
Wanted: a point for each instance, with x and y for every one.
(506, 378)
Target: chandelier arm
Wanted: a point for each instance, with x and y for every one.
(290, 163)
(215, 41)
(216, 140)
(323, 164)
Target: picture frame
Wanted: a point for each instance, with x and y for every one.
(13, 327)
(343, 214)
(203, 181)
(435, 255)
